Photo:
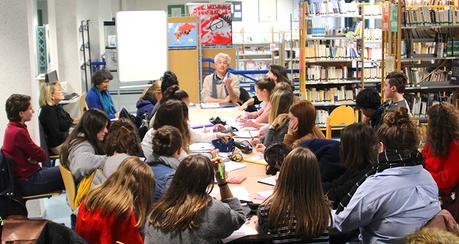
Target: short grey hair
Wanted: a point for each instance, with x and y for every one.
(222, 55)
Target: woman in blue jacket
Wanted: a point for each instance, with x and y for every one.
(99, 96)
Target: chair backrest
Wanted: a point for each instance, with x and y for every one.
(341, 116)
(83, 105)
(70, 187)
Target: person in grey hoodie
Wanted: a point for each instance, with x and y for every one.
(82, 151)
(187, 213)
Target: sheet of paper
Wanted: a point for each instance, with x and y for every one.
(246, 133)
(263, 195)
(210, 105)
(232, 166)
(201, 147)
(256, 158)
(240, 192)
(271, 180)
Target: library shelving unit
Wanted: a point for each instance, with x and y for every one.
(430, 53)
(340, 51)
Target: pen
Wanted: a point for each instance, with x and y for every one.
(220, 169)
(250, 135)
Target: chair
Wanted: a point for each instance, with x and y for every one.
(70, 186)
(51, 160)
(340, 117)
(45, 195)
(83, 104)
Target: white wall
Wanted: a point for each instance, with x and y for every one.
(18, 62)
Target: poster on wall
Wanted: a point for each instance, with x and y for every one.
(216, 23)
(182, 35)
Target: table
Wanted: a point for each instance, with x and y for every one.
(253, 172)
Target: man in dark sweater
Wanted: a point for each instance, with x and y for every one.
(369, 103)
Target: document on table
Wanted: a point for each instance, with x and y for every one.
(240, 192)
(246, 133)
(201, 147)
(263, 195)
(256, 159)
(271, 180)
(245, 230)
(232, 166)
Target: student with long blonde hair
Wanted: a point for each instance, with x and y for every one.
(117, 209)
(298, 210)
(187, 213)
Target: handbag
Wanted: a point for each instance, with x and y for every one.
(18, 229)
(451, 203)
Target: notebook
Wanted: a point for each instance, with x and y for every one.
(271, 180)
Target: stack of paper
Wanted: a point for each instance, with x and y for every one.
(271, 180)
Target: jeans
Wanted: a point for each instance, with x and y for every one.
(43, 181)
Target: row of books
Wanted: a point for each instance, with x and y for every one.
(334, 94)
(426, 16)
(420, 103)
(318, 72)
(431, 49)
(332, 51)
(332, 7)
(417, 75)
(321, 117)
(373, 53)
(368, 73)
(428, 2)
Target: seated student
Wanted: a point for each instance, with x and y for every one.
(263, 89)
(99, 96)
(358, 151)
(167, 147)
(220, 86)
(398, 196)
(117, 210)
(148, 100)
(368, 102)
(168, 80)
(298, 210)
(175, 114)
(302, 124)
(121, 142)
(394, 88)
(441, 152)
(187, 213)
(278, 74)
(25, 154)
(281, 100)
(55, 121)
(82, 151)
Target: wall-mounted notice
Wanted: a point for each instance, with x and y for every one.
(142, 45)
(182, 35)
(216, 23)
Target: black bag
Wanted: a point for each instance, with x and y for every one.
(10, 198)
(450, 204)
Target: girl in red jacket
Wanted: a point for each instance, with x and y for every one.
(441, 152)
(116, 210)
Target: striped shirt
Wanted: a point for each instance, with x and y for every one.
(284, 234)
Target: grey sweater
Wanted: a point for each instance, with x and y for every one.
(111, 165)
(83, 160)
(217, 222)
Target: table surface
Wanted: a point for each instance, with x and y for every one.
(253, 172)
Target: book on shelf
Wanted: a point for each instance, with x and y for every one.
(420, 103)
(332, 95)
(336, 49)
(418, 75)
(426, 15)
(332, 8)
(321, 117)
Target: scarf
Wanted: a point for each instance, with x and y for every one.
(217, 81)
(386, 160)
(169, 161)
(105, 100)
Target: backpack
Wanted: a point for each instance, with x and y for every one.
(10, 197)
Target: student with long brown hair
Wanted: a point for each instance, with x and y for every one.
(298, 210)
(441, 152)
(263, 89)
(187, 213)
(302, 124)
(121, 142)
(397, 196)
(117, 209)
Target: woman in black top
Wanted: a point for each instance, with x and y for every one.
(55, 121)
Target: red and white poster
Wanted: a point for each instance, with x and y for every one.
(216, 23)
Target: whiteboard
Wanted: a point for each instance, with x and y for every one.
(142, 45)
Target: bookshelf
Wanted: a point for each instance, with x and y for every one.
(340, 52)
(429, 49)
